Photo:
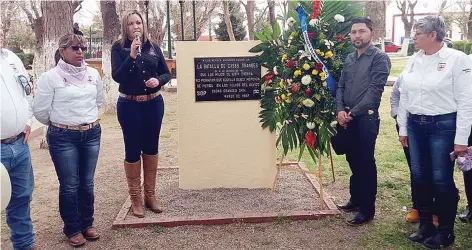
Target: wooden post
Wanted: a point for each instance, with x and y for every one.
(331, 158)
(278, 171)
(320, 177)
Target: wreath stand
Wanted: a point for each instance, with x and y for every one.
(286, 166)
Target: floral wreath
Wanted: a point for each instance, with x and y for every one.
(297, 92)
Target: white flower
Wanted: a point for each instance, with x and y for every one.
(310, 125)
(306, 53)
(291, 21)
(275, 70)
(314, 22)
(308, 103)
(333, 124)
(289, 81)
(339, 18)
(328, 43)
(306, 80)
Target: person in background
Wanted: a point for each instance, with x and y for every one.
(435, 118)
(16, 117)
(138, 65)
(466, 216)
(77, 29)
(68, 99)
(358, 97)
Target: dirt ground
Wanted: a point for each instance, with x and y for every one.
(111, 192)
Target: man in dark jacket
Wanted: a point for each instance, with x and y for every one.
(358, 97)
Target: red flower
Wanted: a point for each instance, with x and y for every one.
(268, 77)
(295, 88)
(314, 16)
(311, 35)
(316, 5)
(310, 139)
(319, 66)
(308, 92)
(290, 64)
(340, 38)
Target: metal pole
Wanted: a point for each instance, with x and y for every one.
(194, 21)
(169, 37)
(182, 19)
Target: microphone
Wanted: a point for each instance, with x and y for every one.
(137, 35)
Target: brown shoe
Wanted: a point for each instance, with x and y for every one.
(91, 234)
(77, 240)
(150, 171)
(133, 176)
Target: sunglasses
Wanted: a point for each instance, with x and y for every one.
(25, 83)
(76, 48)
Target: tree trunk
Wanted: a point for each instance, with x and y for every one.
(376, 10)
(469, 25)
(272, 19)
(111, 32)
(229, 27)
(55, 22)
(250, 18)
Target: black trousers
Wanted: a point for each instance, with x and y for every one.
(362, 134)
(468, 180)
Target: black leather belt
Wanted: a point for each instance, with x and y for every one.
(13, 138)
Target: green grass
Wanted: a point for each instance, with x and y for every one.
(389, 229)
(397, 66)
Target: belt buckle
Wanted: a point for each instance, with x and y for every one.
(423, 119)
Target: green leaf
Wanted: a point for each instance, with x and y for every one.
(261, 36)
(276, 30)
(258, 48)
(302, 148)
(268, 33)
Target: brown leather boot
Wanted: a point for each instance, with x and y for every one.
(133, 176)
(150, 171)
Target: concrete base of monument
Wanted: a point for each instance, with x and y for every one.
(296, 198)
(171, 86)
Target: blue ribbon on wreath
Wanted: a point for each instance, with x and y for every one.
(329, 78)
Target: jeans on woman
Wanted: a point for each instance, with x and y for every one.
(431, 140)
(141, 124)
(75, 154)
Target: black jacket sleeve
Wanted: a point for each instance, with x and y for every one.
(121, 66)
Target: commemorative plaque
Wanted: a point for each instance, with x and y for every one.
(227, 78)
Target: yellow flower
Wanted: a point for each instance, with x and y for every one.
(283, 97)
(317, 97)
(318, 51)
(294, 34)
(299, 105)
(296, 116)
(289, 94)
(314, 72)
(284, 57)
(297, 73)
(288, 101)
(306, 66)
(323, 78)
(322, 54)
(329, 54)
(281, 84)
(322, 74)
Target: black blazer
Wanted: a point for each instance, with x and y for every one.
(132, 74)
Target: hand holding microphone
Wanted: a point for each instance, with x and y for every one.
(136, 45)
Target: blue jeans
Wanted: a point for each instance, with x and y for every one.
(75, 154)
(363, 131)
(17, 160)
(141, 124)
(431, 139)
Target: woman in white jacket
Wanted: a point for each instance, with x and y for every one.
(67, 99)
